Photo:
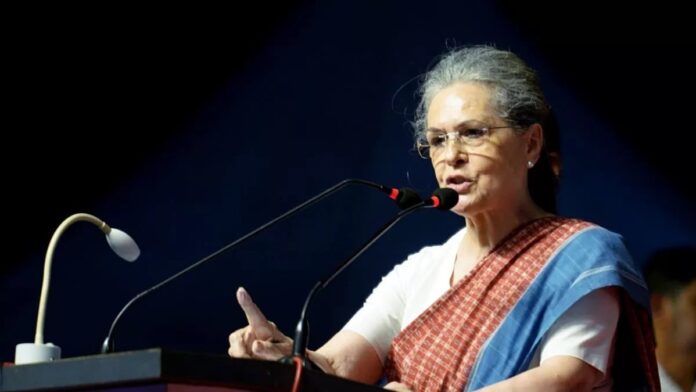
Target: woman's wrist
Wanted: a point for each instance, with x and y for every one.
(319, 362)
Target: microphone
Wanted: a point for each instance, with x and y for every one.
(442, 199)
(404, 198)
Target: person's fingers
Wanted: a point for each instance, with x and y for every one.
(238, 347)
(397, 386)
(270, 351)
(279, 337)
(258, 322)
(244, 344)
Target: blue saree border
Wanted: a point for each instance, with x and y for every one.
(589, 260)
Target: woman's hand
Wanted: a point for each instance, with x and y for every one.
(260, 339)
(397, 386)
(347, 354)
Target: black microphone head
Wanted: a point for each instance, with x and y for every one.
(407, 197)
(445, 198)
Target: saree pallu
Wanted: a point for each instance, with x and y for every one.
(487, 327)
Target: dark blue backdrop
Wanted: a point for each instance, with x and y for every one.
(187, 130)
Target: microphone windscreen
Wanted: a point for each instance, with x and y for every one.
(407, 197)
(448, 198)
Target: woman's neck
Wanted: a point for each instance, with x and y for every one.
(485, 230)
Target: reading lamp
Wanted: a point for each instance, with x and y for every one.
(120, 242)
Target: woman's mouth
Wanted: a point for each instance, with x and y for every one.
(459, 183)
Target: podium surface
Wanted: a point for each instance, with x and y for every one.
(163, 370)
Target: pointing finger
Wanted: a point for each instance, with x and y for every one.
(259, 324)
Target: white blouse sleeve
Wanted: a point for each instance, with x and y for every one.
(379, 319)
(585, 331)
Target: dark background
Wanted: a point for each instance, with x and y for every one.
(187, 127)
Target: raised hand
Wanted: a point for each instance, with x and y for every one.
(261, 338)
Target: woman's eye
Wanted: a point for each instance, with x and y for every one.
(472, 133)
(437, 140)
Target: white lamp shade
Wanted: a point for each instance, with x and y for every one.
(123, 245)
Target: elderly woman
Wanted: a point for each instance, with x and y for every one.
(518, 299)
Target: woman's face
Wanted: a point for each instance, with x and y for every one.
(490, 173)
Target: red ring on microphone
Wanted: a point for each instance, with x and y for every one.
(394, 194)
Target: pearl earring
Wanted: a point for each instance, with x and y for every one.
(530, 164)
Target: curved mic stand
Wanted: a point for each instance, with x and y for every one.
(442, 198)
(121, 243)
(403, 197)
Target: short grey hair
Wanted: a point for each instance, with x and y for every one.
(515, 90)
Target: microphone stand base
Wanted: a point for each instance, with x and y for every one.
(289, 360)
(306, 363)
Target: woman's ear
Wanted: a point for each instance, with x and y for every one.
(535, 142)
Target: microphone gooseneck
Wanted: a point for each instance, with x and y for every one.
(443, 199)
(403, 197)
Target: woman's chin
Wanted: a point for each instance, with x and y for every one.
(465, 206)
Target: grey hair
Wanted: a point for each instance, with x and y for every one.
(515, 90)
(516, 97)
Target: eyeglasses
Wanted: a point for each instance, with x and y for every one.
(435, 141)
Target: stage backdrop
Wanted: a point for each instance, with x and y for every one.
(189, 128)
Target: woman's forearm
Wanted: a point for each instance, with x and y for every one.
(561, 373)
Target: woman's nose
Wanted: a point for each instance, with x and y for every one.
(455, 153)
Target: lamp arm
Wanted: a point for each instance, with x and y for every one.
(39, 338)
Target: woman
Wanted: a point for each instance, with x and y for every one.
(519, 298)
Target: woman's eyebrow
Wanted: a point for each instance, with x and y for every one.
(466, 123)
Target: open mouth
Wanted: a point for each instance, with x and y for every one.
(459, 183)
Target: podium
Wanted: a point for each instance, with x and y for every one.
(160, 370)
